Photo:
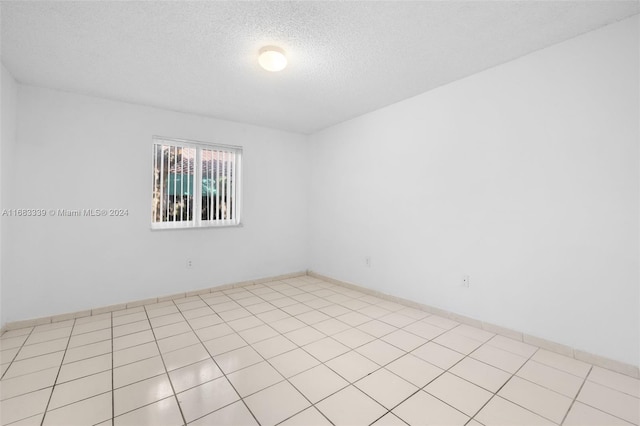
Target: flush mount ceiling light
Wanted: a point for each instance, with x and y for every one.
(272, 59)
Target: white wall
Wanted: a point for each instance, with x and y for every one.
(77, 152)
(8, 99)
(524, 176)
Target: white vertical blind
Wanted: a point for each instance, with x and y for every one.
(182, 191)
(154, 189)
(195, 184)
(174, 171)
(164, 206)
(217, 157)
(190, 186)
(223, 181)
(228, 185)
(233, 187)
(210, 185)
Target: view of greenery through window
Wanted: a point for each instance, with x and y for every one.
(194, 185)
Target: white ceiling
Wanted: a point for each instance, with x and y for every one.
(346, 58)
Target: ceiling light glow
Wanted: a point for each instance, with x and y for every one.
(272, 59)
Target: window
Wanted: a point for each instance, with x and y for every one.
(195, 184)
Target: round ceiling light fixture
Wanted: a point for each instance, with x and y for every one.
(272, 59)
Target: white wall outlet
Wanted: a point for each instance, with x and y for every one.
(465, 281)
(189, 264)
(367, 261)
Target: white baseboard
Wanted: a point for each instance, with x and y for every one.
(620, 367)
(600, 361)
(112, 308)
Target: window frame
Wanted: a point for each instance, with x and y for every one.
(197, 222)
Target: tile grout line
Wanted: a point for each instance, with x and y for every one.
(564, 418)
(624, 392)
(13, 359)
(111, 309)
(380, 367)
(221, 371)
(297, 347)
(468, 355)
(280, 308)
(494, 394)
(53, 388)
(512, 374)
(478, 324)
(69, 364)
(349, 383)
(448, 370)
(175, 395)
(81, 399)
(462, 378)
(575, 399)
(312, 326)
(419, 388)
(350, 348)
(309, 278)
(370, 318)
(410, 352)
(62, 364)
(351, 326)
(313, 405)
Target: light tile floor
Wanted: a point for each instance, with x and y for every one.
(295, 352)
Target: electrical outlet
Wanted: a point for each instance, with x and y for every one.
(189, 264)
(465, 281)
(367, 261)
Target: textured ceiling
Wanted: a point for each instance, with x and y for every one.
(345, 58)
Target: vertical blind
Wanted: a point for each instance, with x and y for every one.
(195, 184)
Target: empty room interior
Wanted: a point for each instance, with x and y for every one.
(320, 213)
